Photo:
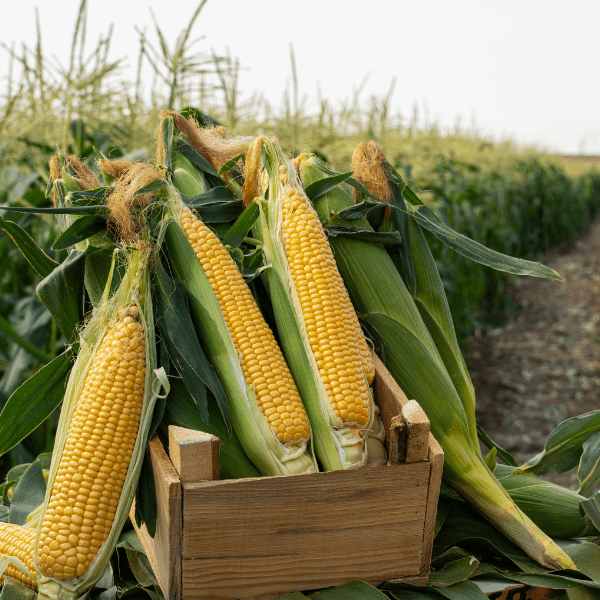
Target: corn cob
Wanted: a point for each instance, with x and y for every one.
(262, 362)
(100, 439)
(265, 407)
(97, 453)
(324, 344)
(18, 541)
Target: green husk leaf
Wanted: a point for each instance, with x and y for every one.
(189, 152)
(62, 293)
(387, 238)
(168, 128)
(564, 446)
(220, 212)
(230, 164)
(80, 230)
(239, 230)
(353, 213)
(217, 195)
(34, 401)
(41, 263)
(12, 589)
(145, 497)
(183, 346)
(321, 187)
(153, 186)
(98, 264)
(96, 194)
(28, 495)
(477, 252)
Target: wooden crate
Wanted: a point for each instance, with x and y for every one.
(241, 538)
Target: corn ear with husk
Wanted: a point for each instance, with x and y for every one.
(323, 343)
(554, 509)
(101, 438)
(413, 360)
(239, 350)
(371, 169)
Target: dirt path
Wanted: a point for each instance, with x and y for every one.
(544, 365)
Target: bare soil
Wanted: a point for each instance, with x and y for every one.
(543, 366)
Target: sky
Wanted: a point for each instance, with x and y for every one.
(525, 70)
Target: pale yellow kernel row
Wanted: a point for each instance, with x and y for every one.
(262, 362)
(97, 453)
(333, 339)
(19, 542)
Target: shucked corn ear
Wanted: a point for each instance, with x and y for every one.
(17, 541)
(100, 439)
(321, 337)
(266, 411)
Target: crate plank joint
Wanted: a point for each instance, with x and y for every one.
(246, 538)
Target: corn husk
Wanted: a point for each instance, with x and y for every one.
(337, 445)
(261, 445)
(134, 290)
(413, 360)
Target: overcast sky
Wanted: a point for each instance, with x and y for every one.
(528, 70)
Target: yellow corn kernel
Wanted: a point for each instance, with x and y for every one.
(327, 312)
(97, 453)
(19, 542)
(262, 362)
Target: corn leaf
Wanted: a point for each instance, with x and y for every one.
(168, 128)
(461, 590)
(387, 238)
(588, 472)
(353, 213)
(62, 293)
(321, 187)
(219, 194)
(28, 495)
(10, 333)
(150, 188)
(230, 164)
(430, 298)
(32, 403)
(97, 270)
(189, 152)
(91, 196)
(477, 252)
(82, 229)
(564, 446)
(586, 556)
(354, 590)
(591, 507)
(41, 263)
(506, 456)
(239, 230)
(220, 212)
(145, 497)
(453, 572)
(57, 210)
(183, 346)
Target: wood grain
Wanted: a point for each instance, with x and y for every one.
(194, 454)
(436, 459)
(417, 432)
(253, 537)
(164, 551)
